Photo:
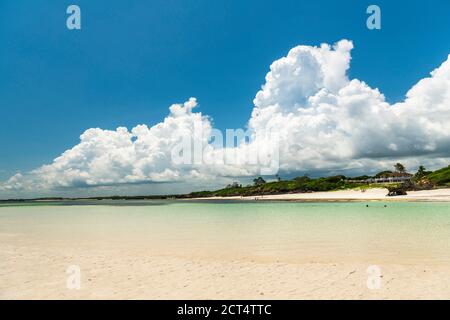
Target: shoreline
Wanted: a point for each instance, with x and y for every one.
(375, 194)
(246, 251)
(347, 195)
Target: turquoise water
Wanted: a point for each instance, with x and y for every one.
(404, 232)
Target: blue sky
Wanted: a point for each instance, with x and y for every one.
(132, 59)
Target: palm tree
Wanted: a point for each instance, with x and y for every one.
(421, 172)
(400, 168)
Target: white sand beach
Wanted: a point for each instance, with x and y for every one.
(351, 195)
(37, 273)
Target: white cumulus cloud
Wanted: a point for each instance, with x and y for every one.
(322, 120)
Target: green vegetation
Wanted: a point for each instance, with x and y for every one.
(399, 168)
(423, 179)
(259, 181)
(421, 172)
(440, 177)
(299, 184)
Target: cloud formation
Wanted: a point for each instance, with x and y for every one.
(322, 121)
(328, 121)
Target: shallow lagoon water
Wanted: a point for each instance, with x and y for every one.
(401, 233)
